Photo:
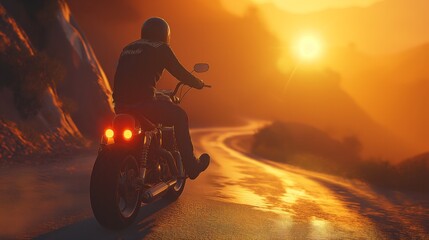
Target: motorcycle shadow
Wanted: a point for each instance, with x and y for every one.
(90, 229)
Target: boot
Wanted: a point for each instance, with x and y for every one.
(198, 166)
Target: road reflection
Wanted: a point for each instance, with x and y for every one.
(245, 197)
(35, 198)
(306, 200)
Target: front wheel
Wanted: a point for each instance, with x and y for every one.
(115, 198)
(175, 192)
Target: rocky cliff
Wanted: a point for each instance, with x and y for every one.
(54, 95)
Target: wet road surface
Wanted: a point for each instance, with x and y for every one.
(238, 197)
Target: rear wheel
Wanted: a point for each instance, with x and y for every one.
(114, 193)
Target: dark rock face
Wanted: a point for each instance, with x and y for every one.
(52, 29)
(52, 88)
(85, 86)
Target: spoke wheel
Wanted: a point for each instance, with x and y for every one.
(114, 192)
(182, 176)
(128, 194)
(177, 190)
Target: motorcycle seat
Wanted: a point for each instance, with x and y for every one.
(140, 120)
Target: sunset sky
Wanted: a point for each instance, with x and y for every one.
(370, 77)
(376, 26)
(296, 6)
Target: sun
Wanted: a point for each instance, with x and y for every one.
(308, 47)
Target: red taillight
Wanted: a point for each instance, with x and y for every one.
(128, 134)
(109, 133)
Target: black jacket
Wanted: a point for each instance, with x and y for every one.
(139, 68)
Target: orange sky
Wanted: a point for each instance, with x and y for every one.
(375, 26)
(296, 6)
(371, 79)
(372, 33)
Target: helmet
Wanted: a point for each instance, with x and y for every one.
(156, 29)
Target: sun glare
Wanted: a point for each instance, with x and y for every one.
(308, 47)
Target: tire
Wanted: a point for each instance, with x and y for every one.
(115, 200)
(175, 192)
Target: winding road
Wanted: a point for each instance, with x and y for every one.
(238, 197)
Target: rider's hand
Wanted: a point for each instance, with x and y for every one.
(200, 84)
(162, 97)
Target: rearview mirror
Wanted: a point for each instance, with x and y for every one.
(201, 67)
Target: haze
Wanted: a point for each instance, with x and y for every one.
(371, 80)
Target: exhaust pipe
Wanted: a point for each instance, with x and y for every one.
(157, 190)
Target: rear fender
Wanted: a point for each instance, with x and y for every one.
(113, 150)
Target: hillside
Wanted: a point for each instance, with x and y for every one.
(54, 95)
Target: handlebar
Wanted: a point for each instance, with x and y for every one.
(176, 89)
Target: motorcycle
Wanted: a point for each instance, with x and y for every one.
(138, 162)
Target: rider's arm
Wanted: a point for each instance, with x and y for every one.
(174, 67)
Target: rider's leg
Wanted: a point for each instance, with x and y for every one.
(170, 114)
(193, 166)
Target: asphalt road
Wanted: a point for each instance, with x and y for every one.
(238, 197)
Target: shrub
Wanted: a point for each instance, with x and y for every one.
(312, 149)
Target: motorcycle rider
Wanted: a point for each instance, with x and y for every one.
(140, 66)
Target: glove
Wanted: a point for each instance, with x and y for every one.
(159, 96)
